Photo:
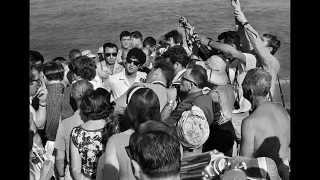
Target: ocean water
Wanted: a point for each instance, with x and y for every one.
(57, 26)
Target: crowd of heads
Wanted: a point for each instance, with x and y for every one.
(154, 148)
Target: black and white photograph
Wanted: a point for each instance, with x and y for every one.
(160, 90)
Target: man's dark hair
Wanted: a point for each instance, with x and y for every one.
(79, 88)
(273, 42)
(35, 56)
(59, 59)
(199, 75)
(95, 105)
(175, 35)
(73, 52)
(230, 37)
(109, 45)
(137, 35)
(143, 105)
(166, 68)
(53, 71)
(157, 153)
(149, 41)
(177, 54)
(124, 34)
(258, 80)
(84, 67)
(138, 54)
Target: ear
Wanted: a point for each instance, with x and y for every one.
(136, 169)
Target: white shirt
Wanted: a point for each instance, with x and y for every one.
(96, 82)
(251, 63)
(118, 83)
(178, 76)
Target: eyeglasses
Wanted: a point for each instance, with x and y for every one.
(109, 54)
(185, 79)
(129, 61)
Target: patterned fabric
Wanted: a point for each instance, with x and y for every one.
(90, 149)
(54, 109)
(193, 128)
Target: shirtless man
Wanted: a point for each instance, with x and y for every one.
(266, 132)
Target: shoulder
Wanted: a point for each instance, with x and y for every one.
(247, 123)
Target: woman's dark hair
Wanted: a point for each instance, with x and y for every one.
(84, 67)
(95, 105)
(143, 105)
(35, 56)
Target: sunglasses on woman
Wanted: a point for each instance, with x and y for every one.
(129, 61)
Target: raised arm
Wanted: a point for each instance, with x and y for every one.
(41, 112)
(225, 48)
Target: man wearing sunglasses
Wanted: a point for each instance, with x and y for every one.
(119, 83)
(108, 65)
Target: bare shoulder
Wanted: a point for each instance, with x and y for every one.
(248, 122)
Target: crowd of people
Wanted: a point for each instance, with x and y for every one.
(135, 111)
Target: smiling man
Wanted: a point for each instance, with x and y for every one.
(119, 83)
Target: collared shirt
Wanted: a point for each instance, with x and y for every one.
(96, 82)
(118, 83)
(64, 130)
(104, 71)
(178, 77)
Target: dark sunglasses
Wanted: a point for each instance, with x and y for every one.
(129, 61)
(185, 79)
(109, 54)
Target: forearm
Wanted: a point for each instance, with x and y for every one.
(60, 167)
(228, 49)
(76, 173)
(41, 117)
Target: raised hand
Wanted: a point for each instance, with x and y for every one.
(236, 5)
(240, 16)
(42, 94)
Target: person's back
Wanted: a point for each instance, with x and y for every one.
(266, 132)
(271, 120)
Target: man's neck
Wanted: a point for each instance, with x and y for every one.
(131, 76)
(110, 66)
(258, 101)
